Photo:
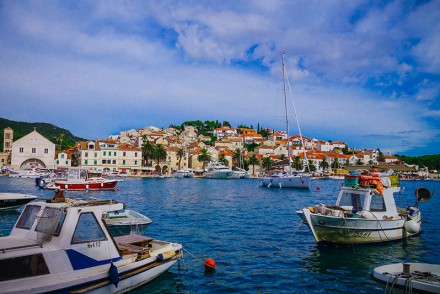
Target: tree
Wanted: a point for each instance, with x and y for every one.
(324, 165)
(359, 162)
(236, 157)
(180, 154)
(298, 163)
(147, 149)
(312, 167)
(253, 160)
(204, 157)
(223, 160)
(335, 163)
(159, 153)
(250, 147)
(381, 157)
(61, 137)
(267, 163)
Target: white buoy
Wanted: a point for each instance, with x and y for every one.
(412, 227)
(280, 185)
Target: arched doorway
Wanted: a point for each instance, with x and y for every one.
(32, 163)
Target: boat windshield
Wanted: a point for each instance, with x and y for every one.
(352, 199)
(88, 229)
(28, 217)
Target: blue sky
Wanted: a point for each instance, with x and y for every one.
(362, 72)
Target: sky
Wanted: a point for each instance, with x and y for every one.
(361, 72)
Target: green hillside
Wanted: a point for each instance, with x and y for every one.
(51, 132)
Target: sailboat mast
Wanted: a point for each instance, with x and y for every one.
(285, 109)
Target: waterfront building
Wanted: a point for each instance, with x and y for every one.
(32, 151)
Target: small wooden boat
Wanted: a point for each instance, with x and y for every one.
(365, 212)
(412, 277)
(125, 222)
(11, 201)
(63, 246)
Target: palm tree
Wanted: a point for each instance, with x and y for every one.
(236, 157)
(159, 153)
(223, 160)
(297, 164)
(323, 164)
(204, 157)
(254, 160)
(180, 154)
(61, 137)
(312, 167)
(147, 149)
(267, 163)
(336, 163)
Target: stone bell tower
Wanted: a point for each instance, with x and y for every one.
(8, 137)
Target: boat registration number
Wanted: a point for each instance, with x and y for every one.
(94, 244)
(361, 234)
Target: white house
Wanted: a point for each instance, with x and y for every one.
(32, 151)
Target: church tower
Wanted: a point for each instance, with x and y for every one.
(8, 138)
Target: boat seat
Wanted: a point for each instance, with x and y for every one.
(132, 243)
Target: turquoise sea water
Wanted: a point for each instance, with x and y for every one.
(248, 231)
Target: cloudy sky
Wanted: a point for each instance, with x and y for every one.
(363, 72)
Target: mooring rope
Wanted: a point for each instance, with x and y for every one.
(294, 232)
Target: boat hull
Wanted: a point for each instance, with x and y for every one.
(410, 277)
(218, 175)
(86, 186)
(11, 201)
(342, 230)
(299, 182)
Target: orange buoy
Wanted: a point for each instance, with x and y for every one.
(318, 188)
(209, 266)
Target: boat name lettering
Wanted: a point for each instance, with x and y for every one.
(361, 234)
(94, 244)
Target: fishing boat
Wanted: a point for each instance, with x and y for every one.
(126, 221)
(63, 245)
(365, 212)
(79, 179)
(216, 170)
(409, 277)
(289, 179)
(11, 201)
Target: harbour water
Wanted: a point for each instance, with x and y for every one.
(254, 235)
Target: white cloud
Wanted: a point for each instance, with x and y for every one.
(129, 64)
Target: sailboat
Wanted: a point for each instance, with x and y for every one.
(300, 180)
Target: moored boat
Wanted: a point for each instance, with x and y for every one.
(365, 212)
(216, 170)
(183, 173)
(288, 179)
(78, 179)
(409, 277)
(126, 221)
(63, 246)
(11, 201)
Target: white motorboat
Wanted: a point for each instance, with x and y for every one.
(410, 277)
(183, 173)
(125, 222)
(63, 246)
(11, 201)
(26, 173)
(365, 212)
(240, 174)
(216, 170)
(288, 179)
